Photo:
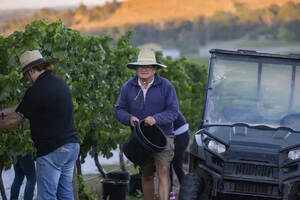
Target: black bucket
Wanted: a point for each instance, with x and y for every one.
(118, 175)
(113, 189)
(143, 142)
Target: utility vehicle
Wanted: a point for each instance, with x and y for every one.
(249, 144)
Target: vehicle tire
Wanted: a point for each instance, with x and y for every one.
(191, 187)
(295, 192)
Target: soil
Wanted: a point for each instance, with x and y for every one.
(93, 182)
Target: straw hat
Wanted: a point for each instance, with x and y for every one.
(146, 57)
(30, 59)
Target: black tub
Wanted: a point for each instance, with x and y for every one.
(118, 175)
(143, 142)
(113, 189)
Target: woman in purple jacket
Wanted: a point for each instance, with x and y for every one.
(152, 98)
(181, 141)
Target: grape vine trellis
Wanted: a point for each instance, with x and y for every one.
(95, 70)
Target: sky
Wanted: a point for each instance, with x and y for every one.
(33, 4)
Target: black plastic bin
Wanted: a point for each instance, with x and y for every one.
(113, 189)
(143, 142)
(115, 186)
(119, 175)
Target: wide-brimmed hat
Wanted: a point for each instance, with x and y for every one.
(146, 57)
(30, 59)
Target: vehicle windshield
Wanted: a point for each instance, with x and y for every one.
(256, 91)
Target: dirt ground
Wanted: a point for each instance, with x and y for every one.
(93, 182)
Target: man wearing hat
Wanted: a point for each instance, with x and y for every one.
(152, 98)
(48, 106)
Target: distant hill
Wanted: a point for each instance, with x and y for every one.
(129, 12)
(135, 12)
(178, 24)
(13, 14)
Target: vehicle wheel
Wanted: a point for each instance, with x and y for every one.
(191, 187)
(295, 192)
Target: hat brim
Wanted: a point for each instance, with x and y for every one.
(134, 65)
(46, 62)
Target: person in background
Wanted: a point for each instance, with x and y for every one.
(181, 141)
(153, 99)
(24, 167)
(49, 107)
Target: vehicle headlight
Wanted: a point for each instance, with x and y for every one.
(294, 154)
(216, 147)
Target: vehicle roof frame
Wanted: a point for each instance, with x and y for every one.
(256, 57)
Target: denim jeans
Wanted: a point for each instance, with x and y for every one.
(23, 168)
(55, 173)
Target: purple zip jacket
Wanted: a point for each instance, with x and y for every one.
(160, 103)
(180, 121)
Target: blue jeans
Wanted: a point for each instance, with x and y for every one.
(55, 173)
(23, 168)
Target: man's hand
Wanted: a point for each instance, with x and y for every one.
(2, 116)
(9, 120)
(134, 120)
(8, 117)
(7, 111)
(150, 121)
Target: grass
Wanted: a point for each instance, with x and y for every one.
(93, 181)
(135, 198)
(109, 168)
